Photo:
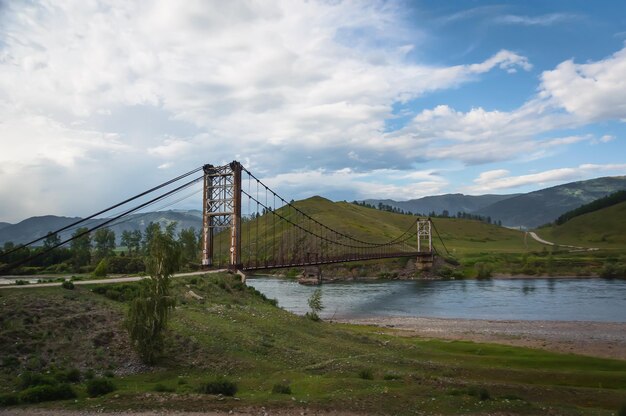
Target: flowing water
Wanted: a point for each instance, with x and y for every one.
(562, 299)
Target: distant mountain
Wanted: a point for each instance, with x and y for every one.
(35, 227)
(4, 225)
(452, 203)
(540, 207)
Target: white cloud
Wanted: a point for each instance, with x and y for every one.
(593, 91)
(543, 20)
(498, 180)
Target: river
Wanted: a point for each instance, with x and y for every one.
(560, 299)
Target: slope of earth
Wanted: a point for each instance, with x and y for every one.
(452, 203)
(230, 330)
(605, 228)
(541, 207)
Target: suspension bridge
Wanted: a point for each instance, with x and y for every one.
(247, 226)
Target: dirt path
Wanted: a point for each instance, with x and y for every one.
(549, 243)
(103, 281)
(598, 339)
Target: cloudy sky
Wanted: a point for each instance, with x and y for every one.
(100, 100)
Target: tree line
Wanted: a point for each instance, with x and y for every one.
(86, 252)
(444, 214)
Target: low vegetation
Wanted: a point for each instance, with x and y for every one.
(232, 341)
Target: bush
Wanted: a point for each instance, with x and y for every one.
(218, 386)
(281, 388)
(118, 292)
(125, 265)
(161, 388)
(11, 361)
(482, 393)
(392, 376)
(483, 270)
(29, 379)
(366, 374)
(101, 269)
(47, 393)
(89, 374)
(67, 376)
(67, 285)
(99, 387)
(8, 399)
(22, 282)
(622, 410)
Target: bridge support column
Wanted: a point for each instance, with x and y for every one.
(425, 257)
(221, 210)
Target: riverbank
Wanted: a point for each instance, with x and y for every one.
(597, 339)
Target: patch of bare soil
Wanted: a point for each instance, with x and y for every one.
(597, 339)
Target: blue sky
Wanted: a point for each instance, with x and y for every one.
(348, 100)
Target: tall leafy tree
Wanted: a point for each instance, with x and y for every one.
(188, 240)
(148, 313)
(126, 240)
(135, 241)
(81, 248)
(151, 230)
(104, 240)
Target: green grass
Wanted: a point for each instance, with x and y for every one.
(234, 334)
(605, 228)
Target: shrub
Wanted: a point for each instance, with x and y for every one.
(11, 361)
(47, 393)
(109, 374)
(622, 410)
(281, 388)
(161, 388)
(8, 399)
(28, 379)
(366, 374)
(101, 269)
(67, 376)
(483, 270)
(99, 387)
(392, 376)
(67, 285)
(482, 393)
(218, 386)
(22, 282)
(89, 374)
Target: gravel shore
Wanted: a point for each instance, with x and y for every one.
(598, 339)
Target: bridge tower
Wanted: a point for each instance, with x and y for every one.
(425, 256)
(221, 208)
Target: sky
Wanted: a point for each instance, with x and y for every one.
(100, 100)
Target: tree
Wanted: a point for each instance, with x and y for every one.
(189, 245)
(316, 305)
(104, 240)
(51, 240)
(135, 241)
(148, 313)
(126, 239)
(81, 248)
(150, 231)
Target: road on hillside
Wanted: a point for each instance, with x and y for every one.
(549, 243)
(104, 281)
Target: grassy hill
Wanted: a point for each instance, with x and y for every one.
(605, 228)
(233, 332)
(541, 207)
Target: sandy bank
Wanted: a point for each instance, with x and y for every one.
(598, 339)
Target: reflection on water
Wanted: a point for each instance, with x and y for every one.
(527, 299)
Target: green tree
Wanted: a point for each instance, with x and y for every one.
(188, 240)
(135, 241)
(81, 248)
(126, 239)
(151, 230)
(104, 240)
(51, 240)
(148, 313)
(316, 305)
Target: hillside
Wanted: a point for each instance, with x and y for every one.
(35, 227)
(604, 228)
(460, 236)
(4, 225)
(452, 203)
(540, 207)
(233, 333)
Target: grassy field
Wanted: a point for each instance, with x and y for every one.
(605, 228)
(233, 332)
